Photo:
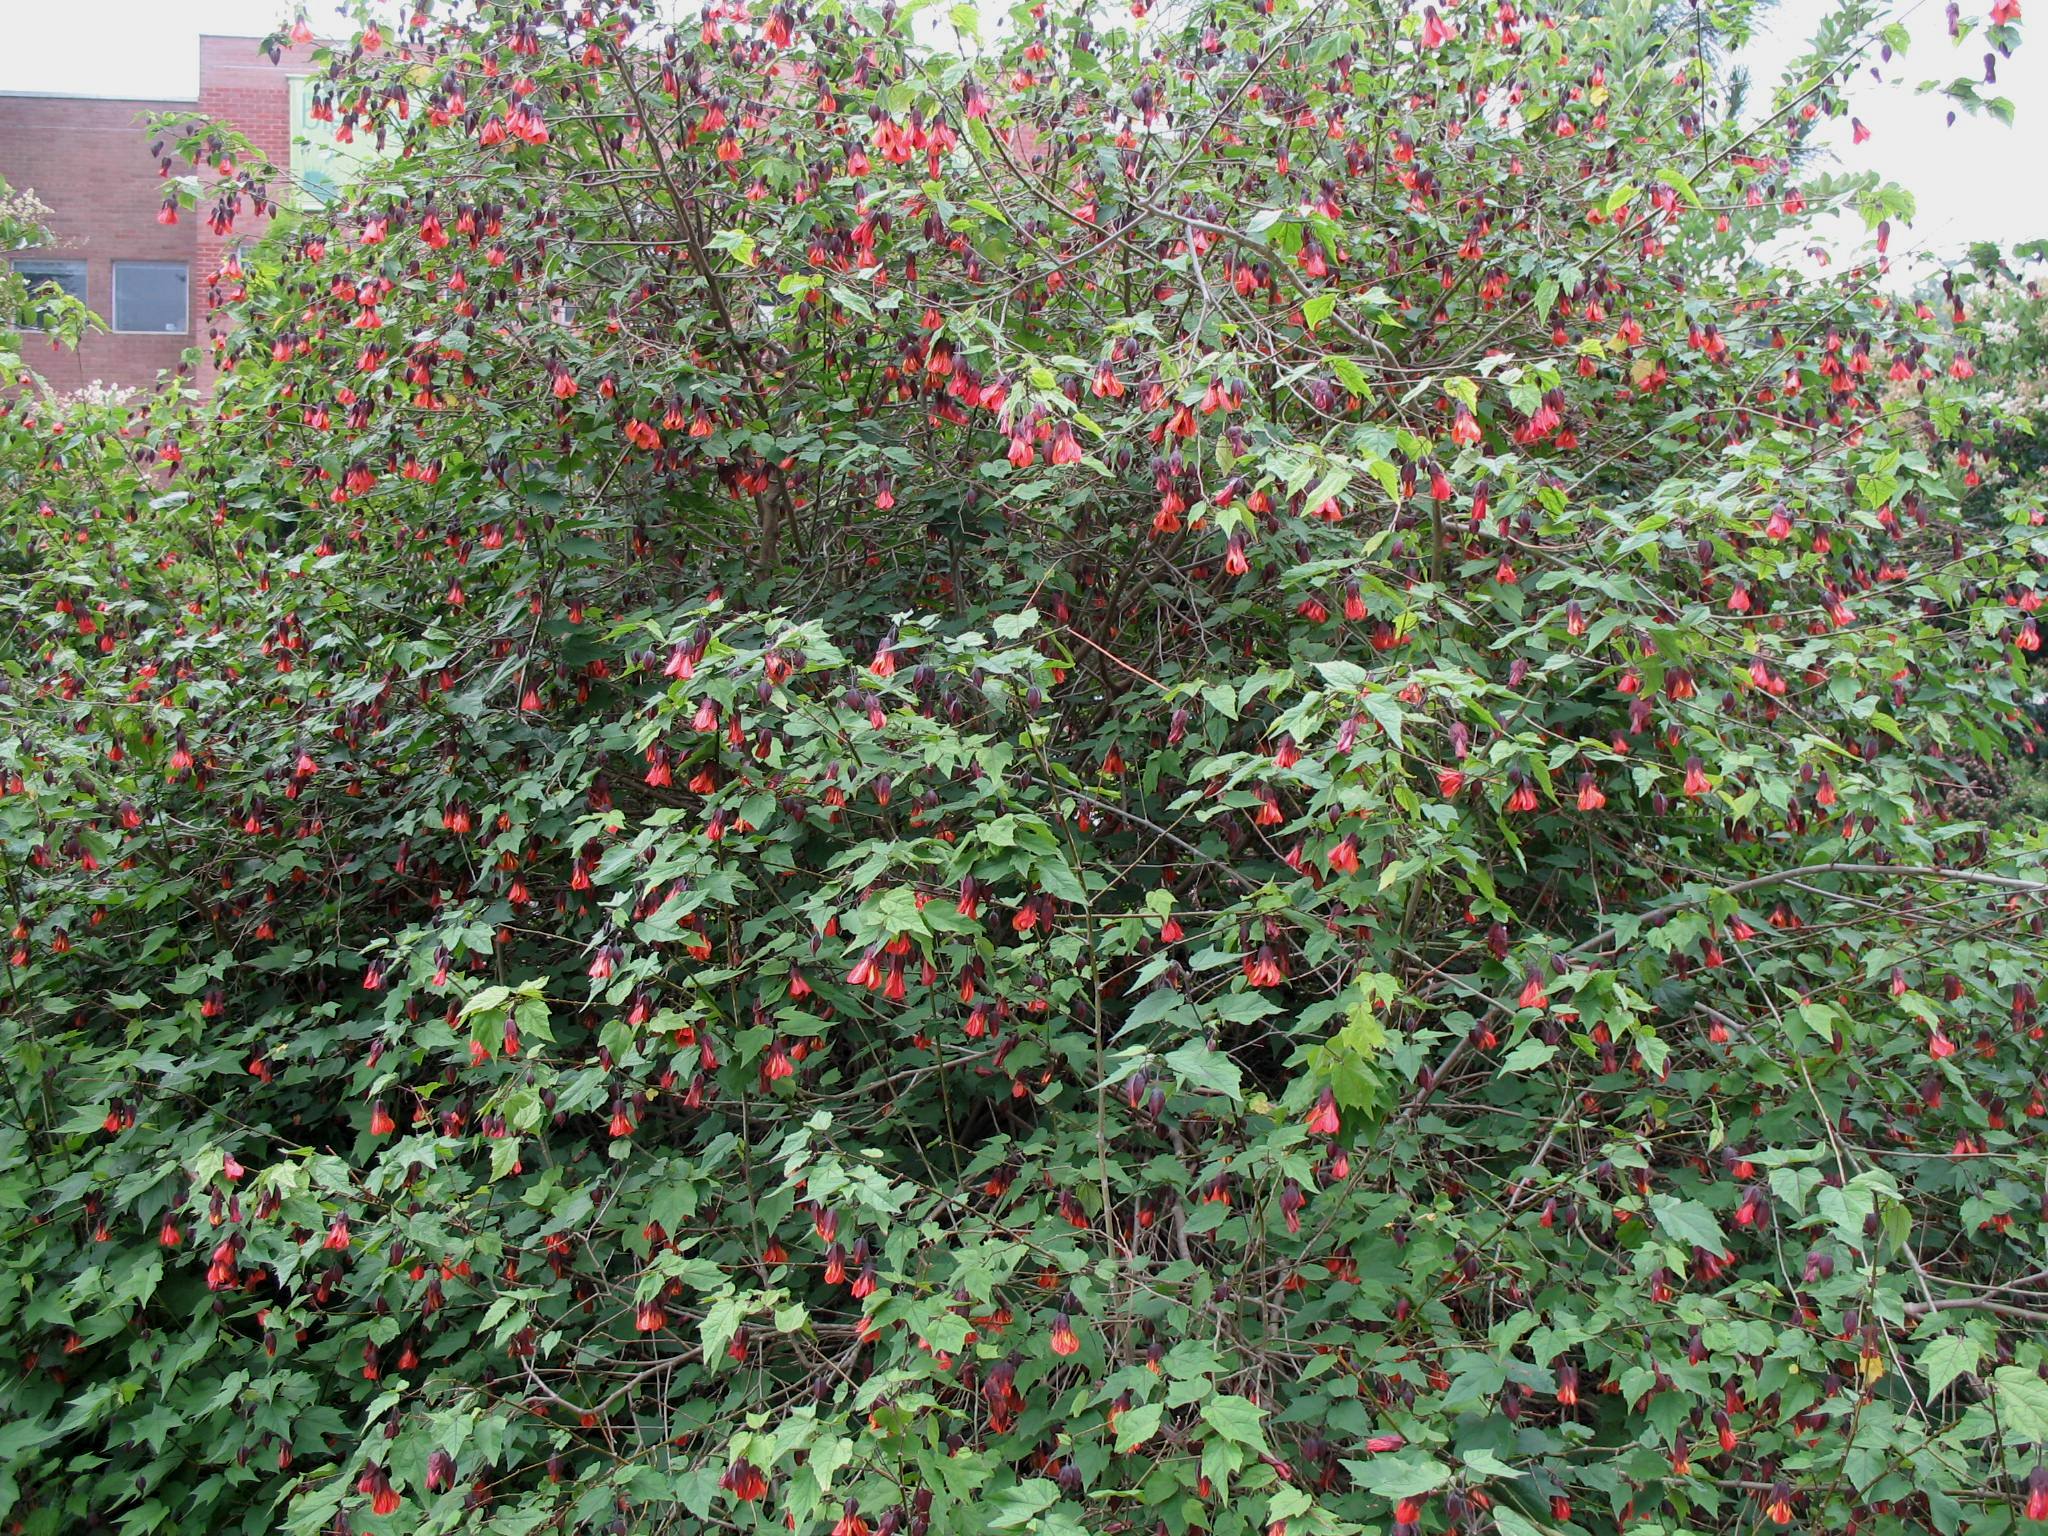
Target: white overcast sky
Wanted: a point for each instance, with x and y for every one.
(1976, 180)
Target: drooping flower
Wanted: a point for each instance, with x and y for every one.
(1322, 1119)
(376, 1482)
(1064, 1340)
(744, 1481)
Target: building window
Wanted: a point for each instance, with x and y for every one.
(150, 296)
(38, 270)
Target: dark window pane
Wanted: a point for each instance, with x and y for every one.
(36, 271)
(150, 296)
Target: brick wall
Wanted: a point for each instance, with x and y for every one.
(89, 160)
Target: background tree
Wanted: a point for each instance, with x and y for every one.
(23, 227)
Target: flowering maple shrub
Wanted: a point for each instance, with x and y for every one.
(1188, 773)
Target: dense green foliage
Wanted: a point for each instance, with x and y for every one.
(1196, 772)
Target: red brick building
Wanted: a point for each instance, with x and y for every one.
(88, 159)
